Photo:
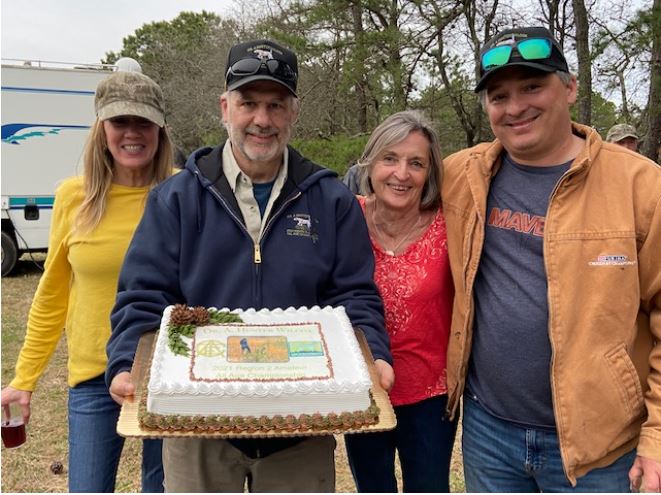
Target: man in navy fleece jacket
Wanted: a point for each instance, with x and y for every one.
(248, 224)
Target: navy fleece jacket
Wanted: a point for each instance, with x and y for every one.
(192, 247)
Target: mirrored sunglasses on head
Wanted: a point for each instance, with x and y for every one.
(528, 49)
(251, 66)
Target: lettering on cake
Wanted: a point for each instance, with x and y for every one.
(262, 353)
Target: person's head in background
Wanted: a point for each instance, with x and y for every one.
(624, 135)
(179, 158)
(526, 90)
(128, 143)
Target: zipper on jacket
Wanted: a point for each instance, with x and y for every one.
(258, 254)
(258, 248)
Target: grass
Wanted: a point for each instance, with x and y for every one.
(27, 469)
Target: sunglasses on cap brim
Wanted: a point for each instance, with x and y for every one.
(251, 66)
(528, 49)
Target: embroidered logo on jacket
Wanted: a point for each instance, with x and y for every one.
(612, 260)
(302, 226)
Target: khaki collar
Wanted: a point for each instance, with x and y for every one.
(233, 172)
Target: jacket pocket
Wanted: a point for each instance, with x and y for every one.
(626, 380)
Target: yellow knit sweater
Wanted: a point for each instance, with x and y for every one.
(77, 290)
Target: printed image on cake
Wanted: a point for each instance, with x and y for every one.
(234, 371)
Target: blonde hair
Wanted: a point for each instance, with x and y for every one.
(394, 130)
(98, 173)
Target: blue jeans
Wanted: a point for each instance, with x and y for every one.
(95, 446)
(423, 438)
(500, 456)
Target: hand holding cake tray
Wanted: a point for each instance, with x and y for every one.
(233, 374)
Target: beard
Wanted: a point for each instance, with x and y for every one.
(259, 152)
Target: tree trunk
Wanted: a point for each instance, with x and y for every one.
(361, 84)
(626, 115)
(653, 139)
(584, 63)
(396, 64)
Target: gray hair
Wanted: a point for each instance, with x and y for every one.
(394, 130)
(565, 77)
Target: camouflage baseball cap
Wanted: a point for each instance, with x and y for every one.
(129, 93)
(620, 131)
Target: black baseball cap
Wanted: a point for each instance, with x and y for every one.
(261, 60)
(554, 62)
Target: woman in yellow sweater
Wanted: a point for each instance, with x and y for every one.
(94, 217)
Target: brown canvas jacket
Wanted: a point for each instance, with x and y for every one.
(602, 253)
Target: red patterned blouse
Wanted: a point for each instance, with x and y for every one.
(417, 291)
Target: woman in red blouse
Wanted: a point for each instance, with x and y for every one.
(400, 170)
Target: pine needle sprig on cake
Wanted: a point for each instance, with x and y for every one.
(216, 317)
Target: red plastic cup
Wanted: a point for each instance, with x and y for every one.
(13, 428)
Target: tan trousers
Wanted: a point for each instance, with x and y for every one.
(203, 465)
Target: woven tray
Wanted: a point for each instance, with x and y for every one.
(129, 426)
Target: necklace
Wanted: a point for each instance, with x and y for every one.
(391, 252)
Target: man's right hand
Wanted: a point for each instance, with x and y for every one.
(121, 387)
(11, 395)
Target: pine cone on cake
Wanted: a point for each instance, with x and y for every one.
(334, 419)
(181, 315)
(359, 418)
(347, 419)
(278, 422)
(200, 316)
(252, 423)
(265, 423)
(318, 420)
(290, 422)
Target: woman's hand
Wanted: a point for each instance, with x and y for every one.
(121, 387)
(12, 395)
(386, 374)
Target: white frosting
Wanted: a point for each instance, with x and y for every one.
(213, 380)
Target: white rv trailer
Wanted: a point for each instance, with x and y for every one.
(47, 111)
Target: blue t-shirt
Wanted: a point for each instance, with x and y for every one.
(509, 372)
(262, 193)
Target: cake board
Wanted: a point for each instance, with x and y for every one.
(129, 425)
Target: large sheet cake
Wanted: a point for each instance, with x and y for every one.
(280, 369)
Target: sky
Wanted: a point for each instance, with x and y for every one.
(82, 31)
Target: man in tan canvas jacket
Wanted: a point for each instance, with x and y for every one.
(555, 250)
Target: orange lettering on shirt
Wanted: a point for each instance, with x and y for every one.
(517, 221)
